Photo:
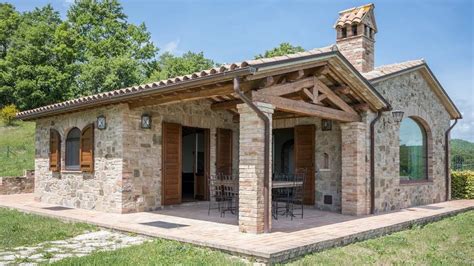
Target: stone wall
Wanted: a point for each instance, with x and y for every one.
(101, 190)
(18, 184)
(410, 93)
(328, 180)
(143, 147)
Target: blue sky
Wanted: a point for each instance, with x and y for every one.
(441, 32)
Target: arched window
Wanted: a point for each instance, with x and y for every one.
(413, 150)
(72, 149)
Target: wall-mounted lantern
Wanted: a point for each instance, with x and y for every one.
(397, 115)
(101, 122)
(146, 121)
(326, 125)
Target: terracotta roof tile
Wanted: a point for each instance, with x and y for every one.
(353, 15)
(392, 68)
(167, 82)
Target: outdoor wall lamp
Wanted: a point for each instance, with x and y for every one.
(146, 121)
(397, 115)
(101, 122)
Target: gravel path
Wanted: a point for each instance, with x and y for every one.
(78, 246)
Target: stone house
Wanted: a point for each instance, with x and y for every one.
(369, 139)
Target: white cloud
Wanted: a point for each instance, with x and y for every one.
(67, 3)
(172, 47)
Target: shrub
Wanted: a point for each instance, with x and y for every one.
(462, 184)
(8, 113)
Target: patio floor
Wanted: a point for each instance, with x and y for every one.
(190, 223)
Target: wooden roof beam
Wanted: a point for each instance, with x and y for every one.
(304, 108)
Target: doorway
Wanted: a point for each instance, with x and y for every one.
(185, 163)
(283, 147)
(193, 164)
(294, 152)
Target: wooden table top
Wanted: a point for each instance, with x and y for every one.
(286, 184)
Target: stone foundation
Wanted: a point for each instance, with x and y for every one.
(18, 184)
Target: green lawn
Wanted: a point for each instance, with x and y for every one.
(17, 148)
(447, 242)
(157, 252)
(20, 229)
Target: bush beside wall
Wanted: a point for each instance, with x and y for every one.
(462, 184)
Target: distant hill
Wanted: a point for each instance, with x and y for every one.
(462, 154)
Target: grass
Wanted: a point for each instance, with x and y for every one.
(449, 242)
(21, 229)
(17, 148)
(157, 252)
(446, 242)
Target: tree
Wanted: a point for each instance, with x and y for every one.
(282, 49)
(171, 66)
(9, 19)
(110, 52)
(32, 73)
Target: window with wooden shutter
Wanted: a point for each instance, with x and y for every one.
(86, 154)
(54, 151)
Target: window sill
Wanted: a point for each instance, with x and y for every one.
(71, 171)
(415, 182)
(325, 170)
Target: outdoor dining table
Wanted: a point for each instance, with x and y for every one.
(286, 184)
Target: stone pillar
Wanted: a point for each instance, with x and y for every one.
(355, 182)
(251, 168)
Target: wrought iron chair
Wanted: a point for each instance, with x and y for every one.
(223, 193)
(297, 195)
(281, 197)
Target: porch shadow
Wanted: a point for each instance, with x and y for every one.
(312, 218)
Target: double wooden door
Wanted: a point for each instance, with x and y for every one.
(172, 161)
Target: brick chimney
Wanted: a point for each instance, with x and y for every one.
(355, 39)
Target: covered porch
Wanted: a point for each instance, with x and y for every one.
(313, 92)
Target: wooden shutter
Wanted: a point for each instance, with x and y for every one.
(86, 152)
(54, 151)
(304, 158)
(224, 151)
(171, 164)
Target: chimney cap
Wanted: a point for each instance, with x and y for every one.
(357, 15)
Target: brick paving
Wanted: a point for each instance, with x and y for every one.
(190, 223)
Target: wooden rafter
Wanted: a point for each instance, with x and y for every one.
(333, 97)
(304, 108)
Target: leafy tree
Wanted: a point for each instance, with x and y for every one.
(282, 49)
(9, 19)
(171, 66)
(110, 52)
(32, 72)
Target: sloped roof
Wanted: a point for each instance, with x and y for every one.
(392, 70)
(223, 70)
(353, 15)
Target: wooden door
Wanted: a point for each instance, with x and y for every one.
(171, 164)
(224, 151)
(304, 158)
(201, 177)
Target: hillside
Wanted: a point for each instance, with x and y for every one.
(17, 149)
(462, 154)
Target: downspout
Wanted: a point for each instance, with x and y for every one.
(446, 157)
(372, 161)
(266, 170)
